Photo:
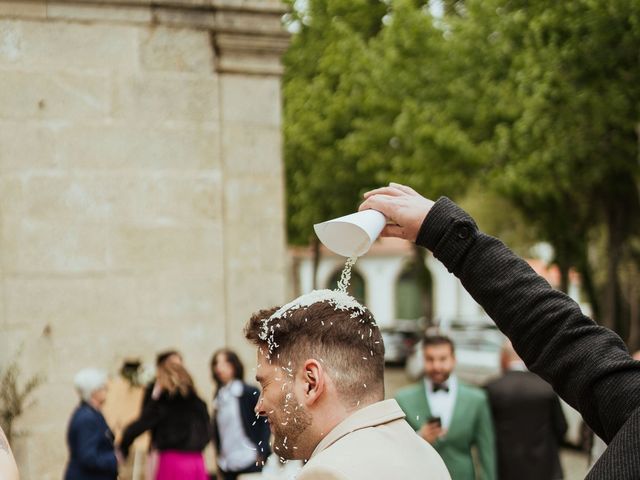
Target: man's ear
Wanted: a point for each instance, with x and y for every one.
(314, 380)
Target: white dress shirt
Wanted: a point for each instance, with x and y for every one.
(441, 403)
(236, 450)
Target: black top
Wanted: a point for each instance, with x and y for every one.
(179, 423)
(529, 424)
(588, 365)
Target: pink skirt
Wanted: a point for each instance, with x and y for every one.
(175, 465)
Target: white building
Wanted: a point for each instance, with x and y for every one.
(396, 290)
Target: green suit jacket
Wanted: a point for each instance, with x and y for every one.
(471, 424)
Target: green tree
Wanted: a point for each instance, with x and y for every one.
(555, 94)
(322, 96)
(536, 101)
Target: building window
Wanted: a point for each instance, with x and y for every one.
(356, 286)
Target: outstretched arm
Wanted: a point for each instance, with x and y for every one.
(588, 365)
(8, 467)
(149, 418)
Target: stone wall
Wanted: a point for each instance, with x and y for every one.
(141, 190)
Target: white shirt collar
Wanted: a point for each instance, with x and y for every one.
(451, 383)
(234, 387)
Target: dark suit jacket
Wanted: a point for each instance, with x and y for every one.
(529, 425)
(90, 441)
(588, 365)
(256, 429)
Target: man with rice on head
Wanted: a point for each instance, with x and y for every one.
(321, 368)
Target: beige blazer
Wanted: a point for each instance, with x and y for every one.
(374, 442)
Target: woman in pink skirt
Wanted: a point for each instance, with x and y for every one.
(180, 421)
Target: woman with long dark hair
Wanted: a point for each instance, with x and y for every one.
(180, 422)
(241, 439)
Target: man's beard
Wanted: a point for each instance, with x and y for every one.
(288, 425)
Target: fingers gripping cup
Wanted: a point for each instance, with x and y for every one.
(351, 235)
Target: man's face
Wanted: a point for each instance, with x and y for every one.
(288, 418)
(439, 362)
(99, 397)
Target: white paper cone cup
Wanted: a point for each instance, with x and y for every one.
(351, 235)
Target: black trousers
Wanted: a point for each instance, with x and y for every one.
(222, 475)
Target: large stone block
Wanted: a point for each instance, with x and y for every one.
(177, 297)
(133, 147)
(267, 290)
(247, 197)
(55, 248)
(255, 150)
(251, 100)
(66, 46)
(25, 147)
(37, 453)
(119, 198)
(176, 49)
(165, 100)
(10, 41)
(273, 253)
(169, 199)
(48, 397)
(196, 18)
(69, 305)
(22, 8)
(54, 95)
(242, 247)
(71, 198)
(123, 13)
(166, 249)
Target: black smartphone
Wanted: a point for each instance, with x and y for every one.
(435, 420)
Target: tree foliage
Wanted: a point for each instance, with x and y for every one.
(534, 101)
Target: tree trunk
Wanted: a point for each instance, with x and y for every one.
(634, 313)
(615, 235)
(589, 288)
(564, 276)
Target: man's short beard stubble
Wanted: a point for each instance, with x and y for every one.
(288, 426)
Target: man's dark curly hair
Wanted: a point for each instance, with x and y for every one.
(347, 342)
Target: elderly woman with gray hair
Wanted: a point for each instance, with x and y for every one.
(91, 452)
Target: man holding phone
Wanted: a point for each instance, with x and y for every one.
(451, 416)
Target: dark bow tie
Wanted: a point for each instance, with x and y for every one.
(440, 386)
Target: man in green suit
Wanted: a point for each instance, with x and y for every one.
(450, 415)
